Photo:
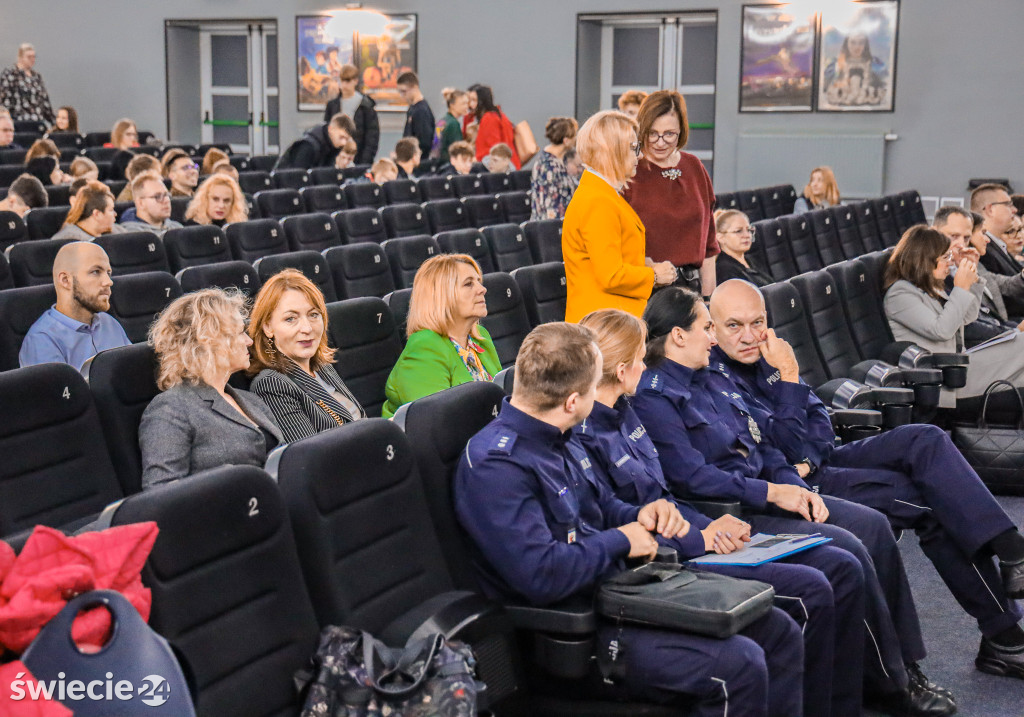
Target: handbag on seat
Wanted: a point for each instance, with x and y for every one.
(995, 452)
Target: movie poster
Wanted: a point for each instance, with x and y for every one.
(777, 59)
(857, 63)
(381, 46)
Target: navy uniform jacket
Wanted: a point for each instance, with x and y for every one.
(710, 446)
(544, 528)
(625, 457)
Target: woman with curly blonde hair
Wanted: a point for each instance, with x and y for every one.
(199, 421)
(218, 201)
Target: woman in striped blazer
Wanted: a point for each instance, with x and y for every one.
(292, 361)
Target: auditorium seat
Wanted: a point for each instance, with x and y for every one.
(444, 215)
(886, 220)
(67, 140)
(483, 211)
(323, 198)
(545, 239)
(368, 345)
(468, 241)
(515, 206)
(290, 178)
(497, 182)
(778, 259)
(55, 470)
(908, 210)
(10, 172)
(543, 287)
(12, 230)
(32, 261)
(10, 157)
(97, 139)
(222, 275)
(44, 222)
(277, 203)
(116, 186)
(136, 299)
(195, 245)
(19, 309)
(263, 162)
(228, 592)
(402, 220)
(427, 166)
(359, 270)
(316, 232)
(356, 171)
(6, 277)
(508, 246)
(319, 176)
(406, 254)
(777, 201)
(360, 225)
(862, 303)
(134, 252)
(121, 207)
(311, 263)
(100, 154)
(521, 179)
(826, 237)
(364, 195)
(179, 206)
(60, 194)
(254, 181)
(801, 242)
(431, 188)
(864, 212)
(239, 162)
(398, 302)
(506, 320)
(875, 263)
(468, 185)
(401, 191)
(750, 204)
(726, 201)
(845, 220)
(255, 238)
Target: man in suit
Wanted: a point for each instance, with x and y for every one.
(993, 202)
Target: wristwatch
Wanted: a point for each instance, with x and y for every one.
(811, 468)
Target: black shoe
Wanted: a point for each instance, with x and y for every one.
(918, 678)
(997, 660)
(915, 701)
(1013, 578)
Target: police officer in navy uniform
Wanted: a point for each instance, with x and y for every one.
(822, 589)
(544, 530)
(913, 474)
(711, 447)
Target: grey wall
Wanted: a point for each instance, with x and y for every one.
(958, 104)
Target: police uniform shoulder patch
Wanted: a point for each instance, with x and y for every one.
(655, 383)
(502, 444)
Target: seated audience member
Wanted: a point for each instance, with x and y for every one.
(26, 192)
(913, 474)
(419, 119)
(42, 161)
(83, 167)
(920, 310)
(7, 133)
(1014, 238)
(494, 127)
(993, 202)
(210, 160)
(407, 156)
(152, 206)
(317, 147)
(346, 155)
(218, 201)
(181, 169)
(199, 421)
(1018, 204)
(140, 163)
(77, 327)
(821, 191)
(292, 362)
(76, 186)
(710, 447)
(517, 515)
(551, 187)
(361, 108)
(124, 135)
(499, 159)
(630, 102)
(92, 214)
(447, 346)
(822, 584)
(449, 127)
(66, 120)
(460, 159)
(573, 165)
(735, 236)
(226, 168)
(383, 170)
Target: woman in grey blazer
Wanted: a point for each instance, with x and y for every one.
(199, 421)
(919, 310)
(292, 360)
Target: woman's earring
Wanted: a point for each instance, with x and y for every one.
(271, 349)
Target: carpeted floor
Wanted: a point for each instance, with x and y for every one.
(952, 638)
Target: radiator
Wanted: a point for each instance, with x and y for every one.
(858, 161)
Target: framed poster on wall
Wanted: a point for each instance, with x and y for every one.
(857, 56)
(381, 46)
(777, 59)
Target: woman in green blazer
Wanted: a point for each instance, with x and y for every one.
(447, 346)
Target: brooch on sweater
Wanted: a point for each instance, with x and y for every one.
(672, 174)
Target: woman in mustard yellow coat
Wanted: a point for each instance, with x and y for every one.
(603, 242)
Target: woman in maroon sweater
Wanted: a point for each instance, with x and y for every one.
(672, 194)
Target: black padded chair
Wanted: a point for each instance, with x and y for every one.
(60, 194)
(56, 470)
(802, 243)
(521, 179)
(44, 222)
(771, 201)
(239, 162)
(862, 303)
(222, 275)
(355, 171)
(67, 140)
(543, 287)
(311, 263)
(912, 207)
(508, 246)
(826, 236)
(314, 232)
(228, 591)
(97, 139)
(323, 198)
(515, 206)
(263, 162)
(19, 309)
(368, 345)
(885, 216)
(101, 154)
(359, 270)
(279, 203)
(727, 200)
(483, 211)
(864, 212)
(326, 175)
(468, 185)
(255, 238)
(290, 178)
(11, 157)
(468, 241)
(445, 215)
(254, 181)
(364, 195)
(507, 321)
(398, 301)
(778, 259)
(545, 239)
(360, 225)
(431, 188)
(402, 191)
(750, 204)
(6, 277)
(12, 230)
(495, 182)
(845, 220)
(407, 254)
(136, 299)
(194, 246)
(179, 205)
(403, 220)
(134, 252)
(32, 261)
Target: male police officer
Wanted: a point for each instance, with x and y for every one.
(913, 474)
(544, 529)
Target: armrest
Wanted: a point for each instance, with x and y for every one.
(887, 395)
(447, 613)
(913, 356)
(855, 417)
(845, 393)
(882, 374)
(573, 617)
(716, 509)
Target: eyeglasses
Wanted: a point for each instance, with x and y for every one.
(159, 197)
(669, 137)
(1007, 203)
(742, 230)
(635, 146)
(947, 257)
(186, 167)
